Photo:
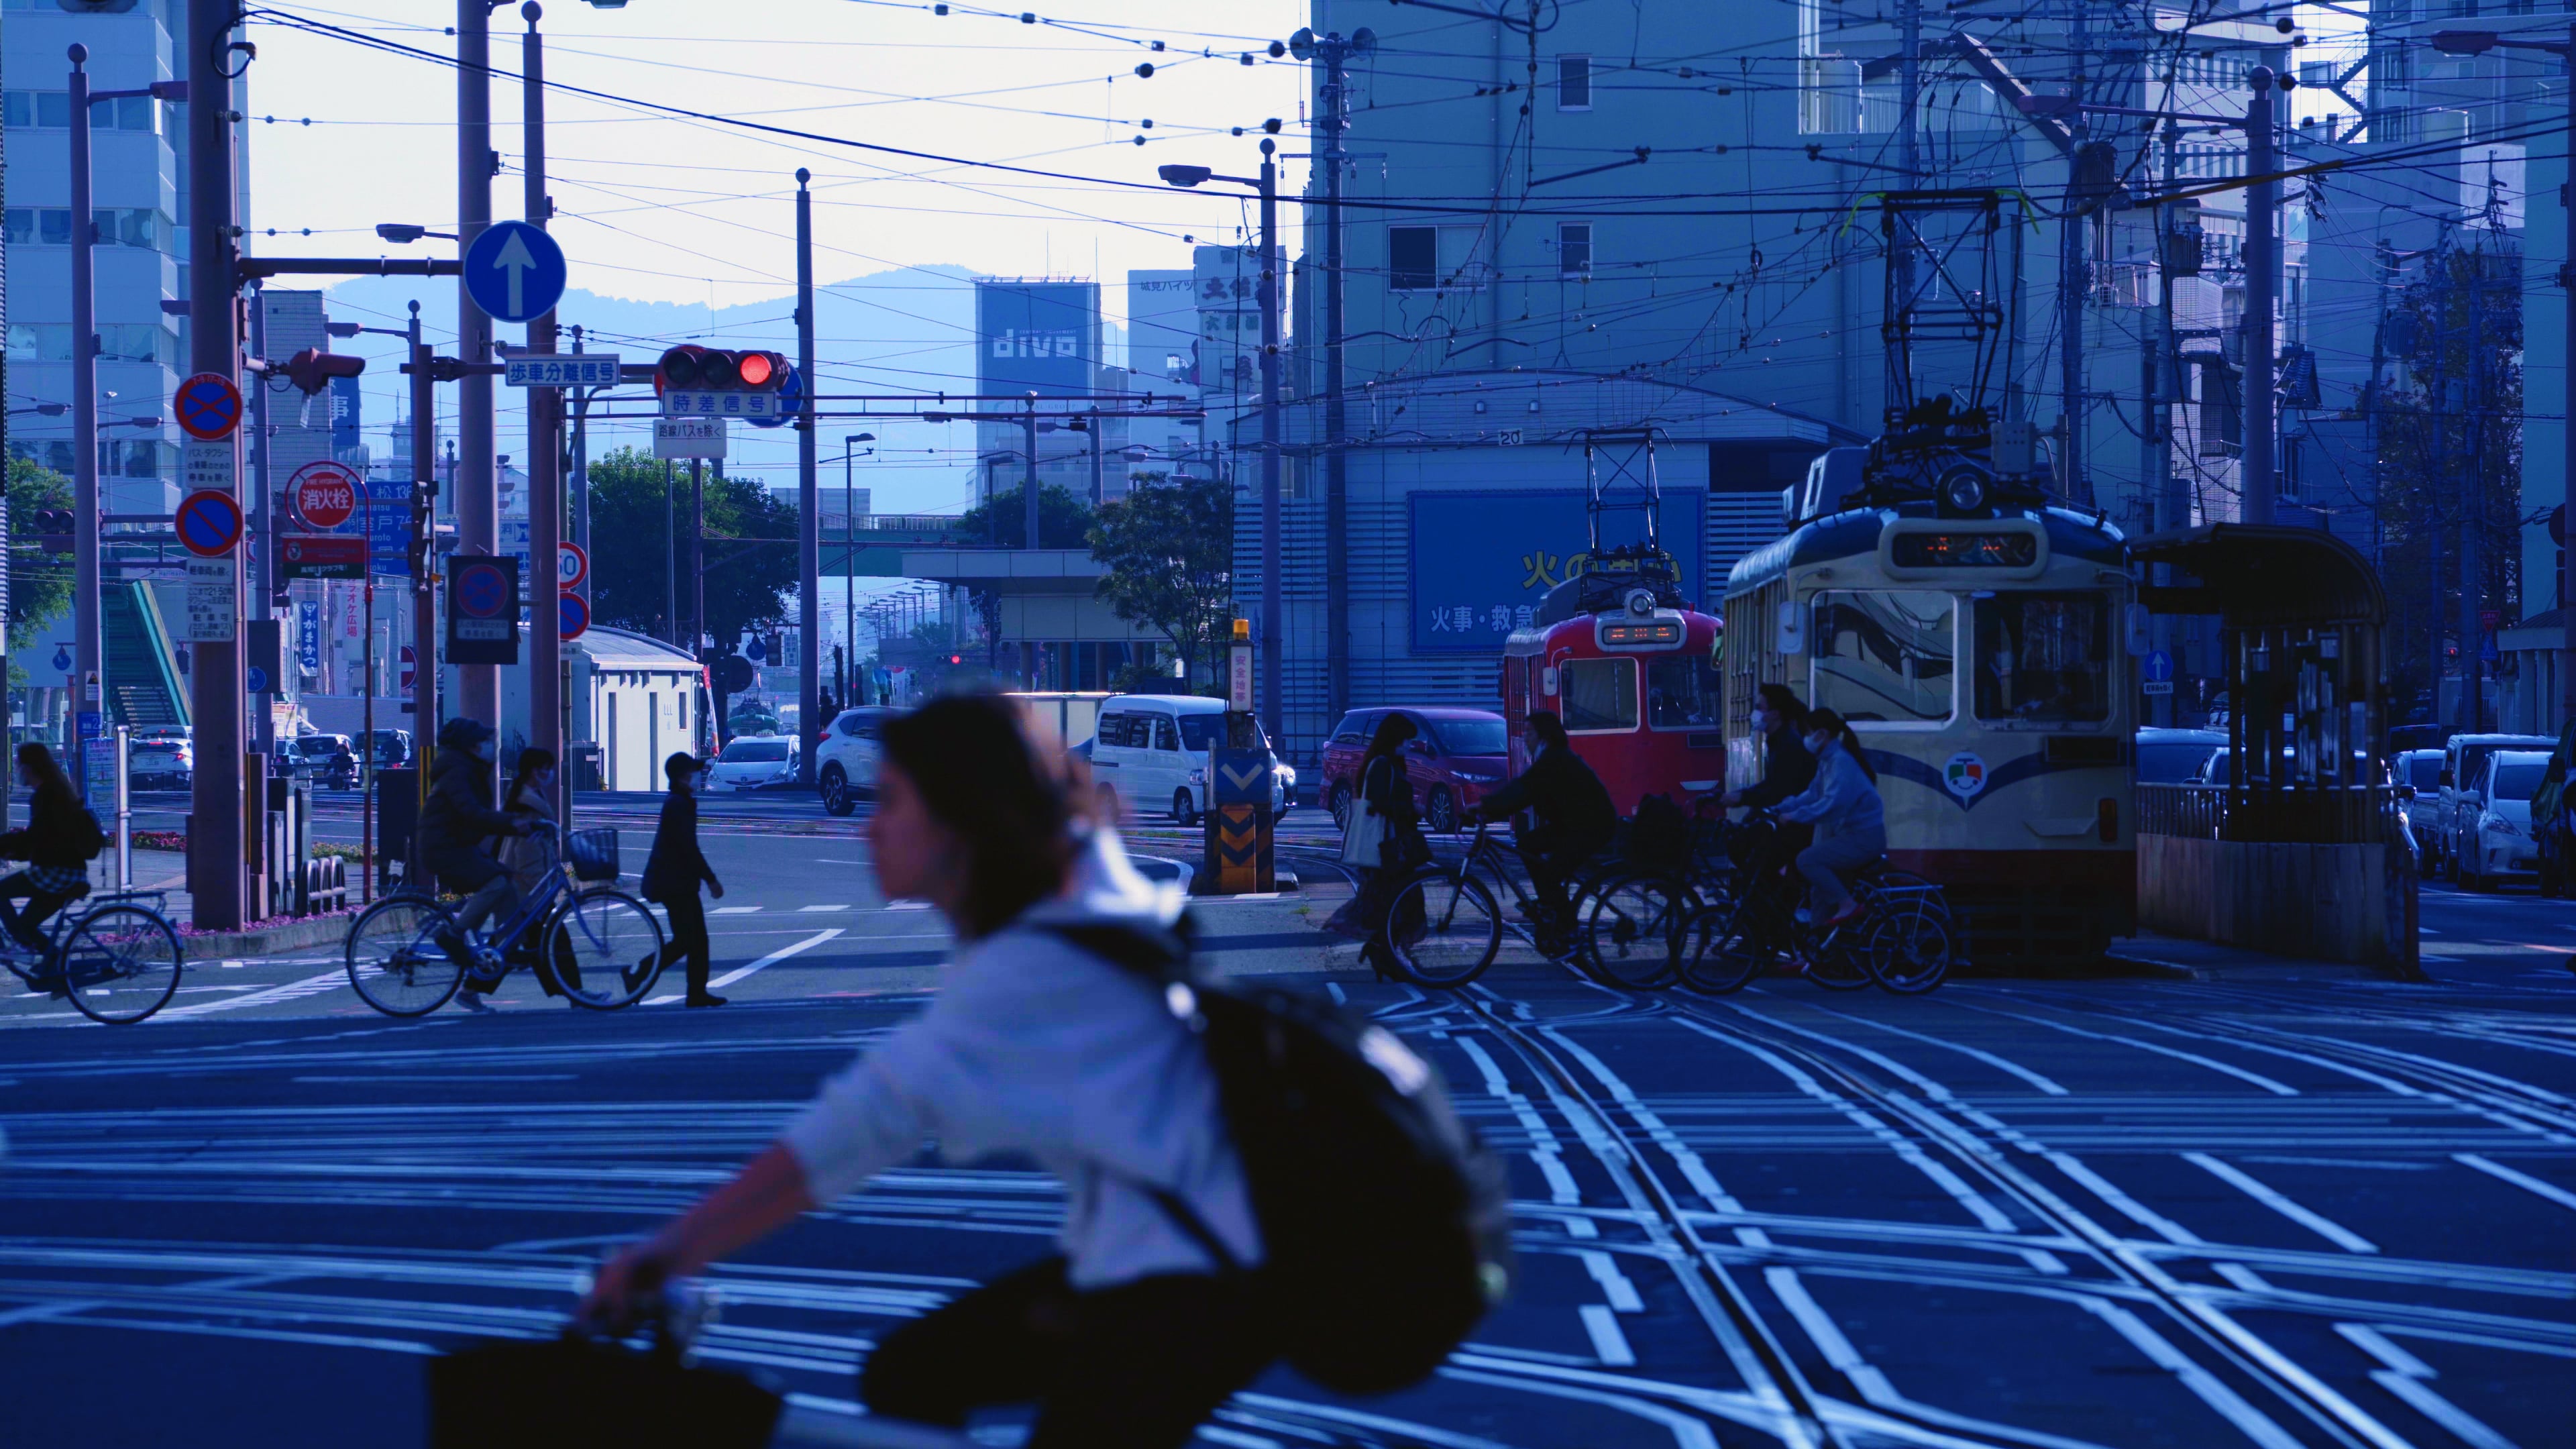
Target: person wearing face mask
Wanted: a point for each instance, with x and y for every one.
(1787, 768)
(456, 822)
(1842, 803)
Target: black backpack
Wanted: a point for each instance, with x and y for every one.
(1386, 1224)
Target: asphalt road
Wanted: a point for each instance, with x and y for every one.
(2121, 1212)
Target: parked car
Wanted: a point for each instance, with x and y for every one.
(1152, 749)
(2464, 759)
(1455, 757)
(2172, 756)
(751, 762)
(162, 757)
(329, 760)
(392, 747)
(2504, 847)
(2417, 774)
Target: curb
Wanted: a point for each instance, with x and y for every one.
(304, 931)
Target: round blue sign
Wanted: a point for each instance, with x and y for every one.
(572, 616)
(2158, 668)
(255, 679)
(208, 523)
(482, 589)
(514, 272)
(63, 659)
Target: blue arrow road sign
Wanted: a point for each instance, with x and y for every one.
(2159, 667)
(514, 272)
(63, 659)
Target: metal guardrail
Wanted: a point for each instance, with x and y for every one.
(2343, 815)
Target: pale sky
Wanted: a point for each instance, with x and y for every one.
(666, 209)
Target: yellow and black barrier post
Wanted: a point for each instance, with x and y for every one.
(1237, 858)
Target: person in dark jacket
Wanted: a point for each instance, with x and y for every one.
(58, 844)
(1387, 787)
(454, 824)
(1788, 768)
(1575, 818)
(672, 873)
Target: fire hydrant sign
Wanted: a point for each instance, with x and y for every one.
(323, 495)
(214, 600)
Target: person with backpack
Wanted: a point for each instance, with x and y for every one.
(1575, 820)
(1384, 842)
(60, 841)
(1070, 1031)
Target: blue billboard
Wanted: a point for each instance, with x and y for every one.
(1483, 559)
(1041, 337)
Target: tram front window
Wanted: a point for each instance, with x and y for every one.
(1884, 655)
(1683, 692)
(1599, 694)
(2044, 658)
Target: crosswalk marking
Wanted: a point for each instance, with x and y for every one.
(808, 910)
(291, 991)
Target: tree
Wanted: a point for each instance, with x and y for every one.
(40, 582)
(748, 585)
(1063, 521)
(1169, 548)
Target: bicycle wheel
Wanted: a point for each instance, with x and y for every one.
(1722, 949)
(395, 965)
(121, 964)
(1907, 950)
(1629, 931)
(606, 949)
(1835, 963)
(1444, 929)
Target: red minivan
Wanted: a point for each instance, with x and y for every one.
(1455, 757)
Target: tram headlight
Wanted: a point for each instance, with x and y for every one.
(1963, 490)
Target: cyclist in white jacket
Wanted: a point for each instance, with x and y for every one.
(1131, 1335)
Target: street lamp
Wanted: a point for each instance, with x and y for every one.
(399, 231)
(1267, 184)
(2479, 42)
(850, 558)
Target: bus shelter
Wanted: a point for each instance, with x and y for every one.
(2297, 850)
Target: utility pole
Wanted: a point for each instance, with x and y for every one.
(2262, 274)
(89, 712)
(2156, 470)
(700, 644)
(1337, 505)
(809, 497)
(2473, 512)
(670, 560)
(2071, 228)
(1909, 76)
(261, 602)
(424, 594)
(581, 459)
(545, 447)
(1272, 627)
(215, 665)
(478, 520)
(1029, 501)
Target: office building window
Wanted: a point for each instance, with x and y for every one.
(1574, 83)
(54, 109)
(1574, 249)
(136, 226)
(1412, 258)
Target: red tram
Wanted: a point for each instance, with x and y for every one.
(1632, 670)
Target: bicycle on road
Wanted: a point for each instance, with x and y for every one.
(118, 960)
(1899, 939)
(603, 946)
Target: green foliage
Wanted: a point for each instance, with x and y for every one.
(1169, 549)
(40, 583)
(1062, 519)
(632, 527)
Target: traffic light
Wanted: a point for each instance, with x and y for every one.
(48, 529)
(716, 382)
(313, 369)
(678, 369)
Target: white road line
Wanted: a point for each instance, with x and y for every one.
(309, 986)
(2042, 1083)
(1614, 1284)
(2121, 1203)
(2226, 1402)
(733, 910)
(2277, 1089)
(1608, 1343)
(448, 1077)
(2407, 1377)
(2279, 1202)
(774, 957)
(809, 910)
(2525, 1181)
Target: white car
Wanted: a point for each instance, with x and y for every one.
(753, 761)
(163, 757)
(1152, 749)
(846, 758)
(2505, 847)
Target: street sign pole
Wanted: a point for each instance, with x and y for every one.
(215, 841)
(86, 620)
(809, 522)
(545, 448)
(424, 592)
(477, 497)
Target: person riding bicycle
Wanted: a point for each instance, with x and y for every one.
(456, 822)
(58, 844)
(1787, 769)
(1842, 803)
(1575, 819)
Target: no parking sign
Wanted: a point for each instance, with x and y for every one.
(483, 610)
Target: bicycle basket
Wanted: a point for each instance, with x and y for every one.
(1659, 837)
(593, 854)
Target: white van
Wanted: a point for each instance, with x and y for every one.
(1153, 750)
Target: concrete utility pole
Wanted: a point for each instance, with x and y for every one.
(1337, 505)
(1909, 83)
(2077, 479)
(2473, 439)
(1272, 627)
(809, 498)
(215, 666)
(260, 526)
(1029, 490)
(545, 447)
(2262, 273)
(424, 590)
(478, 519)
(89, 710)
(2155, 461)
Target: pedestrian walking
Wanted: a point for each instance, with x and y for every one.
(1136, 1329)
(456, 822)
(1384, 841)
(60, 841)
(672, 873)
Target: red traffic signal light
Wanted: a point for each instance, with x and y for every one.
(759, 369)
(313, 369)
